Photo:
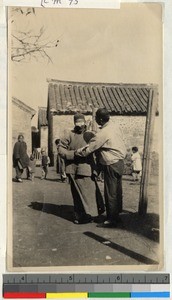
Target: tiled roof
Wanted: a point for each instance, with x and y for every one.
(23, 106)
(42, 116)
(120, 99)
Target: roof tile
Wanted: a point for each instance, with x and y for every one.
(42, 117)
(120, 99)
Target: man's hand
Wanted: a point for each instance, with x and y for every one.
(80, 151)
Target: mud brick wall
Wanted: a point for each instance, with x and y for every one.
(133, 128)
(21, 124)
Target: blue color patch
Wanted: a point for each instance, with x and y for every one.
(150, 294)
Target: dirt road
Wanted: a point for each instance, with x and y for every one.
(44, 233)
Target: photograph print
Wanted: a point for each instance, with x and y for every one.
(85, 186)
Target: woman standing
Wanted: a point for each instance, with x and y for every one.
(20, 157)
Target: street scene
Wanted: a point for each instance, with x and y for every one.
(45, 235)
(85, 137)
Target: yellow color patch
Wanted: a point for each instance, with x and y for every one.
(66, 295)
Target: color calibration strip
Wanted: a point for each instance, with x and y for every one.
(86, 295)
(85, 286)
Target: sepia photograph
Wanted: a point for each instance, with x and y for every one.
(85, 138)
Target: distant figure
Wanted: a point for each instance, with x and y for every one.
(60, 164)
(31, 168)
(137, 164)
(20, 157)
(36, 152)
(45, 160)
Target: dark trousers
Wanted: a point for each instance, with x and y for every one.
(87, 197)
(113, 189)
(44, 171)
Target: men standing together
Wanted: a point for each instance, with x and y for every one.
(109, 145)
(87, 199)
(84, 154)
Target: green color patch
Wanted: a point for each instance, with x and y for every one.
(109, 295)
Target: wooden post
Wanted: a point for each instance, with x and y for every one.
(151, 111)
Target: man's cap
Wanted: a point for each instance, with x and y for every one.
(79, 117)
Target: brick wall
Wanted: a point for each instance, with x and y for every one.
(134, 131)
(133, 128)
(21, 124)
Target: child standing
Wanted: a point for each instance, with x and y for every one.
(45, 160)
(31, 167)
(137, 164)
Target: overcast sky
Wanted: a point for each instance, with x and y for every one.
(122, 45)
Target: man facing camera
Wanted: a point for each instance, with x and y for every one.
(109, 145)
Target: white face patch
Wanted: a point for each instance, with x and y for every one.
(79, 123)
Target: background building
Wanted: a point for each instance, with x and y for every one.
(127, 104)
(43, 127)
(22, 115)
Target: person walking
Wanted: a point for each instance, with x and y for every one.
(87, 199)
(20, 157)
(31, 168)
(110, 146)
(45, 161)
(136, 164)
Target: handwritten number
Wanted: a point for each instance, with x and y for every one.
(75, 2)
(58, 2)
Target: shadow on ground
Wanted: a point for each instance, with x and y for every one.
(50, 179)
(147, 226)
(134, 255)
(63, 211)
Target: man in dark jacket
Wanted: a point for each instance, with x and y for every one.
(87, 198)
(20, 157)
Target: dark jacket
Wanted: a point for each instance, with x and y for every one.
(45, 160)
(20, 154)
(74, 164)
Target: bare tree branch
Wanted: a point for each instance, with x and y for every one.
(28, 45)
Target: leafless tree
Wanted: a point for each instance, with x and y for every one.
(30, 44)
